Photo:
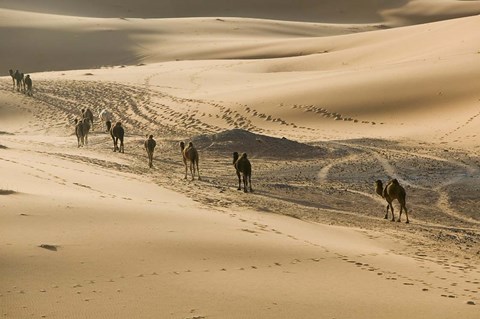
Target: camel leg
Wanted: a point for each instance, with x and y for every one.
(386, 214)
(198, 170)
(403, 206)
(250, 183)
(186, 167)
(192, 170)
(393, 214)
(239, 181)
(150, 159)
(122, 150)
(245, 184)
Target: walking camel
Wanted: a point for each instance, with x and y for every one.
(190, 155)
(87, 114)
(117, 133)
(150, 144)
(82, 129)
(28, 84)
(106, 117)
(393, 190)
(243, 168)
(19, 81)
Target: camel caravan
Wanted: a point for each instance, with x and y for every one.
(21, 82)
(391, 191)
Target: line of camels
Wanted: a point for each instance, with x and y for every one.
(23, 83)
(243, 168)
(190, 155)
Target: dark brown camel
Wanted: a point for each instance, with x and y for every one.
(117, 133)
(28, 85)
(87, 114)
(190, 155)
(393, 190)
(19, 80)
(150, 144)
(244, 168)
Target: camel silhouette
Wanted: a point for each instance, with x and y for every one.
(393, 190)
(190, 156)
(243, 168)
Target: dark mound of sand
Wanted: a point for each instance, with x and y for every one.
(256, 145)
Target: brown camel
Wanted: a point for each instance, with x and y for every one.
(190, 155)
(117, 133)
(28, 85)
(150, 144)
(244, 168)
(82, 129)
(393, 190)
(87, 114)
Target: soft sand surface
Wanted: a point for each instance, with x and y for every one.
(359, 93)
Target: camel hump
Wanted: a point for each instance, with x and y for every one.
(244, 155)
(151, 144)
(395, 181)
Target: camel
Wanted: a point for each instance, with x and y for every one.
(106, 117)
(150, 144)
(190, 155)
(19, 80)
(28, 84)
(393, 190)
(82, 128)
(117, 132)
(244, 168)
(87, 114)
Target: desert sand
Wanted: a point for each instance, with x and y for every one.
(325, 97)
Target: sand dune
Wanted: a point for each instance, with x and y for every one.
(325, 96)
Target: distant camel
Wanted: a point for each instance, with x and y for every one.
(393, 190)
(106, 117)
(117, 132)
(19, 80)
(82, 129)
(244, 168)
(87, 114)
(150, 144)
(190, 155)
(12, 74)
(28, 84)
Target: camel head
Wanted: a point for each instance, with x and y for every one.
(235, 157)
(118, 124)
(244, 155)
(182, 146)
